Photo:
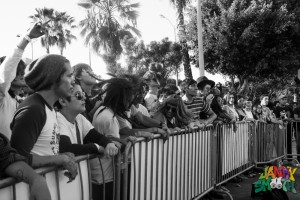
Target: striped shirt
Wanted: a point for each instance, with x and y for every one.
(197, 106)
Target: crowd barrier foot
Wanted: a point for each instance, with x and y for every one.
(223, 193)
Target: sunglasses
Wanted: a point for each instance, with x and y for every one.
(80, 96)
(173, 109)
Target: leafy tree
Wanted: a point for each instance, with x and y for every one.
(180, 6)
(166, 53)
(248, 39)
(58, 28)
(106, 24)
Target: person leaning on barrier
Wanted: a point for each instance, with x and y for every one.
(14, 165)
(204, 85)
(132, 122)
(77, 134)
(117, 96)
(229, 107)
(174, 114)
(12, 79)
(35, 132)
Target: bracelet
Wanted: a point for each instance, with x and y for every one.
(26, 37)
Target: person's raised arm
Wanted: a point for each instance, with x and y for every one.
(9, 66)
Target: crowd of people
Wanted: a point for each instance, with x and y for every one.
(66, 111)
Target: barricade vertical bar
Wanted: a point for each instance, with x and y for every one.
(180, 180)
(195, 161)
(146, 174)
(162, 172)
(167, 170)
(125, 172)
(151, 175)
(172, 164)
(188, 164)
(140, 168)
(134, 173)
(184, 164)
(157, 165)
(176, 175)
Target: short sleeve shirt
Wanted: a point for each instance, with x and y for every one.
(197, 106)
(69, 129)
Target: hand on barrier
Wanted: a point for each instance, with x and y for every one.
(67, 161)
(39, 189)
(164, 133)
(199, 124)
(147, 135)
(131, 139)
(111, 149)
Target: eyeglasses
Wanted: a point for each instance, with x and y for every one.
(173, 109)
(80, 96)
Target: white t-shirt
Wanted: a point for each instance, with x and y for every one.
(124, 122)
(104, 122)
(8, 105)
(48, 142)
(249, 114)
(150, 100)
(143, 110)
(69, 129)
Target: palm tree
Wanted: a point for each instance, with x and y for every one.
(107, 23)
(57, 27)
(64, 26)
(180, 6)
(43, 15)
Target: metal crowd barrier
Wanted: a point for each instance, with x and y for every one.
(270, 142)
(180, 168)
(80, 188)
(234, 150)
(186, 166)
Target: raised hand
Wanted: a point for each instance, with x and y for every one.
(37, 30)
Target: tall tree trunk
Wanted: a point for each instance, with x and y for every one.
(61, 51)
(182, 40)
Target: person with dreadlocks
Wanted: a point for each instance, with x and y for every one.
(174, 113)
(135, 121)
(12, 80)
(117, 98)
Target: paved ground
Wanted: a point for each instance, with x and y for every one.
(242, 190)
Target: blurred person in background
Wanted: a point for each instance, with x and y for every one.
(84, 75)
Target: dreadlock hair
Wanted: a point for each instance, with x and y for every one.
(20, 71)
(118, 94)
(139, 84)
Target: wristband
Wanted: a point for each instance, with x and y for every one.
(98, 147)
(26, 37)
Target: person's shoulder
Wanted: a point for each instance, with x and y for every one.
(34, 101)
(82, 119)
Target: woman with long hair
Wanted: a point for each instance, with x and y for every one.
(174, 113)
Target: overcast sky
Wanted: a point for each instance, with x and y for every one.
(14, 20)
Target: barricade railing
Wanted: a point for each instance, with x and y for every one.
(234, 150)
(270, 142)
(180, 168)
(293, 132)
(80, 188)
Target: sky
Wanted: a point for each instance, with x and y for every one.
(14, 20)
